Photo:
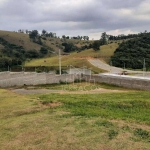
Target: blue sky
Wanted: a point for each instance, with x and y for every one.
(76, 17)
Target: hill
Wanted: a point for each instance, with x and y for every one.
(15, 48)
(19, 39)
(133, 53)
(77, 59)
(22, 39)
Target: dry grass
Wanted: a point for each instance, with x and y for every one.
(27, 124)
(78, 59)
(19, 39)
(24, 40)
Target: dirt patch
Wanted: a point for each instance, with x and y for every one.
(96, 91)
(51, 104)
(46, 91)
(132, 125)
(34, 91)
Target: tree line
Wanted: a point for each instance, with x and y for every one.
(133, 52)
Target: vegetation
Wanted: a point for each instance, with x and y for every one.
(77, 121)
(133, 52)
(69, 47)
(12, 54)
(77, 59)
(17, 47)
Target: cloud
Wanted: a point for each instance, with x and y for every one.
(76, 16)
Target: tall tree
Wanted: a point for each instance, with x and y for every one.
(104, 38)
(44, 32)
(33, 34)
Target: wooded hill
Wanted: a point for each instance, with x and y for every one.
(133, 52)
(16, 48)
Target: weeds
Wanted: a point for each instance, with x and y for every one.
(112, 134)
(126, 106)
(142, 134)
(105, 123)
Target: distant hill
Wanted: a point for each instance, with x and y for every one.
(23, 40)
(20, 39)
(132, 53)
(16, 48)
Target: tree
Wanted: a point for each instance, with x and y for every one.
(32, 54)
(104, 38)
(69, 47)
(43, 50)
(63, 36)
(44, 32)
(85, 38)
(33, 34)
(96, 45)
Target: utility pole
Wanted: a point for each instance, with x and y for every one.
(110, 67)
(59, 62)
(124, 66)
(144, 68)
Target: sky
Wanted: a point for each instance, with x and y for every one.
(76, 17)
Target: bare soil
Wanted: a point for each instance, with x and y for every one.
(46, 91)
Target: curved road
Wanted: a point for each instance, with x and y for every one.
(104, 66)
(114, 70)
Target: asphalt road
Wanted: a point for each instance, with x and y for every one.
(115, 70)
(104, 66)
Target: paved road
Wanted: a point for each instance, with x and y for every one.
(111, 69)
(104, 66)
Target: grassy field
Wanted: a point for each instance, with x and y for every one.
(78, 59)
(108, 121)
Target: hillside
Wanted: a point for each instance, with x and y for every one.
(16, 47)
(20, 39)
(20, 47)
(133, 53)
(77, 59)
(23, 40)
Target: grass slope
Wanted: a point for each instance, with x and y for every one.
(19, 39)
(101, 121)
(78, 59)
(24, 40)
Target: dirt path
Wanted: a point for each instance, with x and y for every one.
(35, 91)
(46, 91)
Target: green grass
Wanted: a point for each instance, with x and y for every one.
(130, 107)
(85, 121)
